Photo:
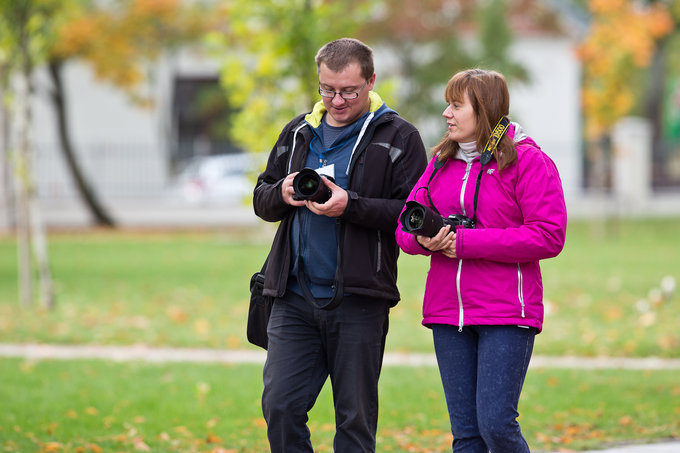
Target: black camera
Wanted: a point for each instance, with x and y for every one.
(423, 221)
(309, 185)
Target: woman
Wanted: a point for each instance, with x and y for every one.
(483, 296)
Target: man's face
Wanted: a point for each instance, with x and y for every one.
(342, 112)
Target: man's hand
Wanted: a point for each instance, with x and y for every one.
(335, 206)
(287, 191)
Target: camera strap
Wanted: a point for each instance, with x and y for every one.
(437, 165)
(491, 144)
(338, 291)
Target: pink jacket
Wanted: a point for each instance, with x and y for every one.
(521, 219)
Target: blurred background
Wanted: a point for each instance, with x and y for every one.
(161, 112)
(131, 136)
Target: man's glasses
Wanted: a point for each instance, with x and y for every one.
(343, 94)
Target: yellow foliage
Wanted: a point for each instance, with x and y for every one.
(623, 37)
(118, 41)
(150, 8)
(606, 6)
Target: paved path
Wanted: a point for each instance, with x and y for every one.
(163, 354)
(660, 447)
(156, 354)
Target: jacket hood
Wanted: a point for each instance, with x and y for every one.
(376, 105)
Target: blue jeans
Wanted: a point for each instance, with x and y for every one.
(306, 346)
(482, 370)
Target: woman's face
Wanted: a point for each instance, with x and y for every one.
(461, 119)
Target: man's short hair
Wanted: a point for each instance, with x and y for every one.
(339, 54)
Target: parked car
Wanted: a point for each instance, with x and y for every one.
(224, 178)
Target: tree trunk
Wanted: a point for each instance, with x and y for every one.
(7, 209)
(32, 225)
(23, 236)
(656, 88)
(88, 196)
(24, 187)
(39, 243)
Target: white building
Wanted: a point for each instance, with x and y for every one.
(128, 152)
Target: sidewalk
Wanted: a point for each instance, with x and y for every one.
(165, 354)
(660, 447)
(257, 356)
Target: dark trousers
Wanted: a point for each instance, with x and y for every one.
(482, 370)
(306, 345)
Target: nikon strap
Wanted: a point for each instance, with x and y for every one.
(491, 145)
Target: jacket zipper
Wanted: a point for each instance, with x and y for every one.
(379, 258)
(462, 190)
(520, 291)
(460, 262)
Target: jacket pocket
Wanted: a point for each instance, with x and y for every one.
(520, 288)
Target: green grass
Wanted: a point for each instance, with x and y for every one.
(190, 289)
(83, 406)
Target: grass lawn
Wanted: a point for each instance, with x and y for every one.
(190, 289)
(94, 406)
(602, 294)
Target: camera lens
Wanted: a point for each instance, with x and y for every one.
(415, 216)
(308, 185)
(421, 220)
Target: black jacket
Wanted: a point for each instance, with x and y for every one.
(387, 163)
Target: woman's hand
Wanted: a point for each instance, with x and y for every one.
(444, 241)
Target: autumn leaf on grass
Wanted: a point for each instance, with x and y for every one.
(139, 444)
(213, 439)
(176, 314)
(626, 420)
(51, 428)
(182, 430)
(89, 447)
(212, 422)
(52, 447)
(202, 326)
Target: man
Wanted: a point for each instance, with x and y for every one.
(332, 268)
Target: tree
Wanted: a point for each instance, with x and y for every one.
(427, 35)
(267, 59)
(24, 30)
(621, 42)
(660, 67)
(610, 57)
(117, 40)
(267, 54)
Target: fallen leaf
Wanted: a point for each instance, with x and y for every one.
(212, 422)
(139, 444)
(626, 420)
(51, 447)
(213, 439)
(176, 314)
